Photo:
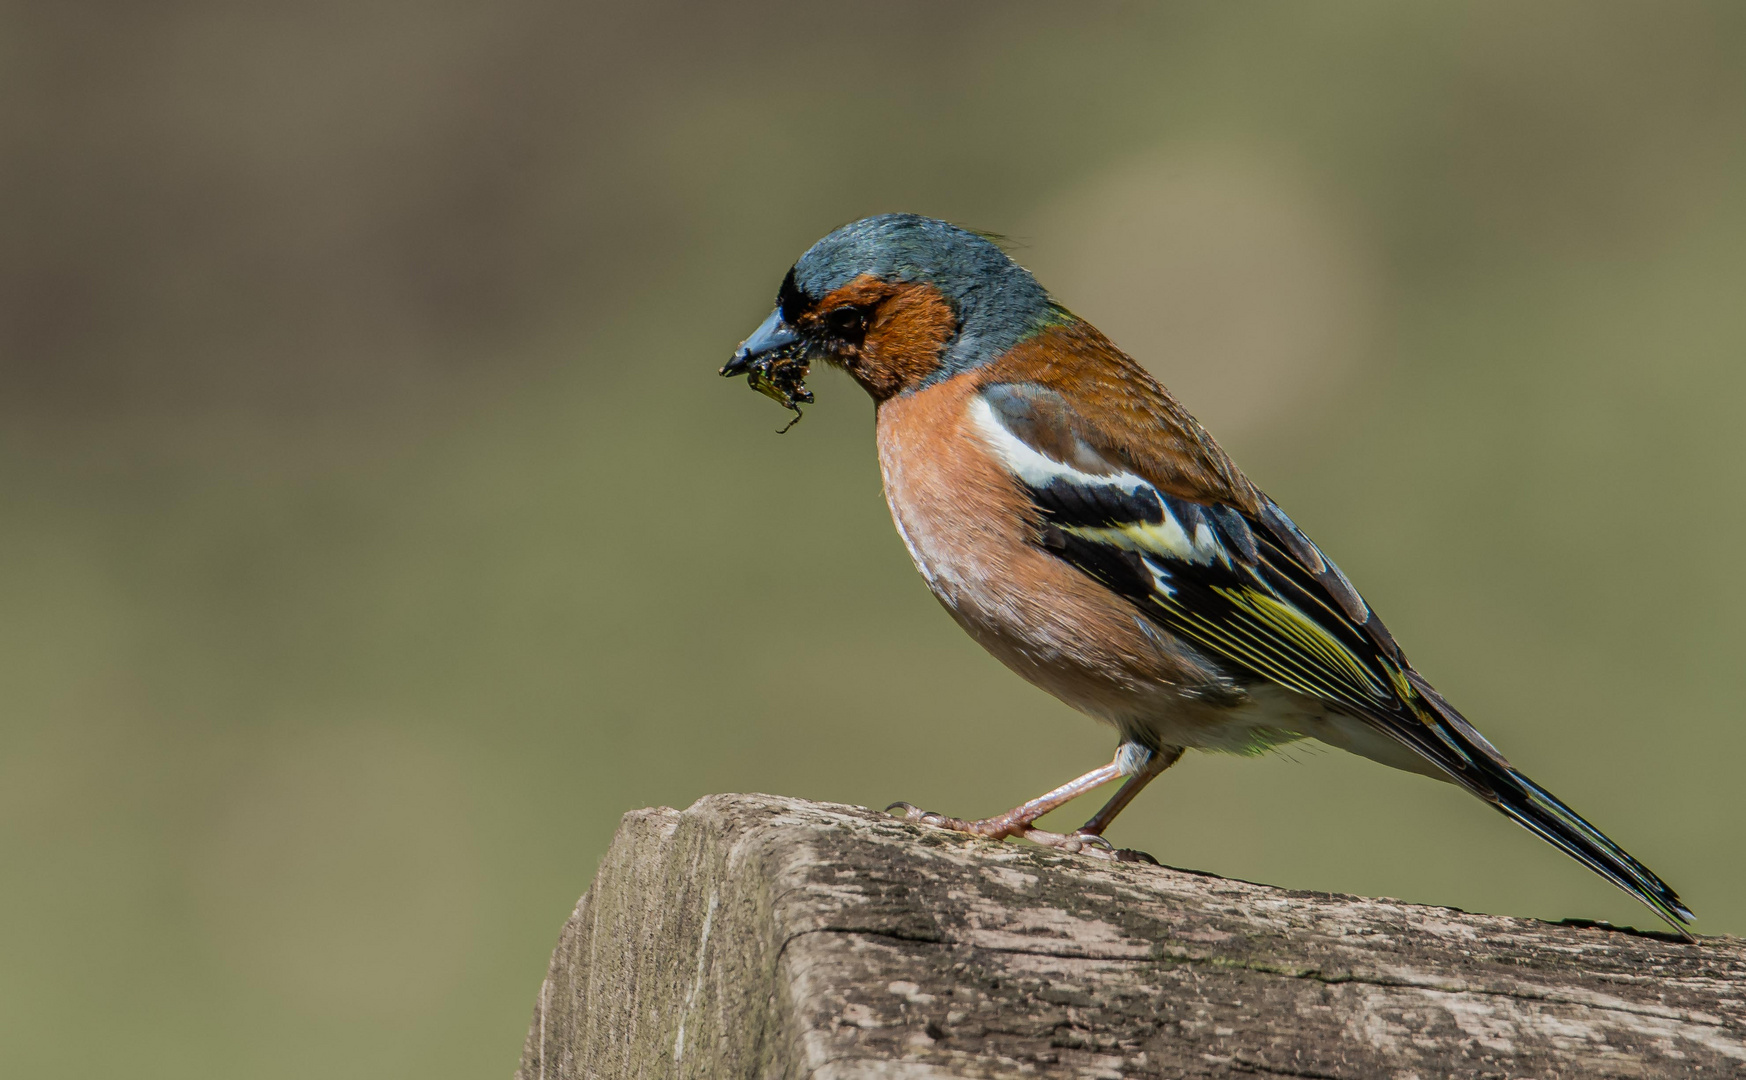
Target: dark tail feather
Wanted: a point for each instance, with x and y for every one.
(1488, 775)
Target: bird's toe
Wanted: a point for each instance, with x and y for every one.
(1084, 843)
(915, 814)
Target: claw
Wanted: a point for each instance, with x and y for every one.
(1073, 843)
(1084, 843)
(1095, 844)
(998, 828)
(1067, 842)
(1133, 856)
(915, 814)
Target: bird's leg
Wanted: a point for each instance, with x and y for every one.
(1157, 762)
(1017, 821)
(1088, 838)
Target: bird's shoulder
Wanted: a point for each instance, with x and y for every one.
(1069, 390)
(1105, 452)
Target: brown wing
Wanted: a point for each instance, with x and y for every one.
(1141, 427)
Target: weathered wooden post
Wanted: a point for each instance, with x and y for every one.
(755, 936)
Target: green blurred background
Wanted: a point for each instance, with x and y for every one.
(377, 531)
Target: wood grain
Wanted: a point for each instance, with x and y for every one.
(757, 936)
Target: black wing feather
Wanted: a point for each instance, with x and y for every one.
(1272, 606)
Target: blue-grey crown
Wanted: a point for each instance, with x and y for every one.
(997, 301)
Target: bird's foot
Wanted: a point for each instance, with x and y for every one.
(994, 828)
(1014, 824)
(1084, 843)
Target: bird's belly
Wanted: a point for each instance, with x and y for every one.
(1063, 645)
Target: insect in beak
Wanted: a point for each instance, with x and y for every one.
(774, 362)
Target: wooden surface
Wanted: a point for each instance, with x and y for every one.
(755, 936)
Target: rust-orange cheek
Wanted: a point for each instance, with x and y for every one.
(905, 339)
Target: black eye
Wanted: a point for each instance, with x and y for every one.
(847, 321)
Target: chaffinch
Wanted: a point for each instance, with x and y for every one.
(1085, 529)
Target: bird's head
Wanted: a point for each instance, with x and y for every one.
(899, 302)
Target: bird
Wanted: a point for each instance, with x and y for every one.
(1085, 529)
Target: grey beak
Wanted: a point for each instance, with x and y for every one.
(771, 334)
